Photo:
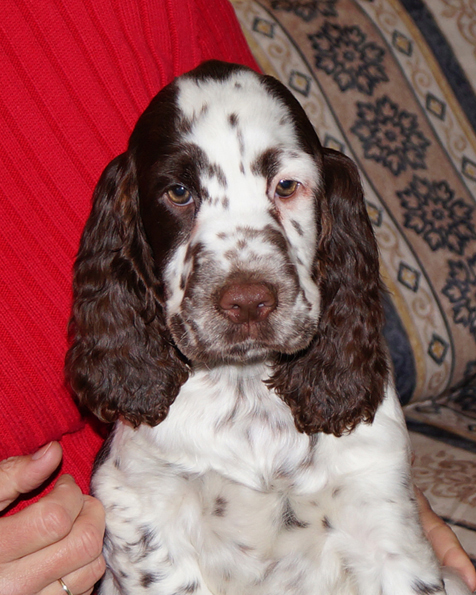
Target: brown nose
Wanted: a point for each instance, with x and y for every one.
(247, 302)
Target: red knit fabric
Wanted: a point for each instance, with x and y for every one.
(74, 77)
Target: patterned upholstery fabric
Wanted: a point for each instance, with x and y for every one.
(369, 80)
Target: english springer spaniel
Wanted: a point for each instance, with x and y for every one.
(227, 318)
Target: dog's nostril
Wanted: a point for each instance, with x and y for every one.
(247, 302)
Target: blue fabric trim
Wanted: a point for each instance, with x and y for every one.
(400, 351)
(444, 436)
(443, 53)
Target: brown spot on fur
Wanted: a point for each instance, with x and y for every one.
(220, 507)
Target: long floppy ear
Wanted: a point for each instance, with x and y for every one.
(121, 361)
(339, 381)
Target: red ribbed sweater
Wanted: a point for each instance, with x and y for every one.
(74, 77)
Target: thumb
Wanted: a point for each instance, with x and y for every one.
(20, 475)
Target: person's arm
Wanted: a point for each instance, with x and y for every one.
(60, 536)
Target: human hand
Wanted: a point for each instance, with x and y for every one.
(446, 545)
(60, 536)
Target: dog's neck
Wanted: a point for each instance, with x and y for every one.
(226, 418)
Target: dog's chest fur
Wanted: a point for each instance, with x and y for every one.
(236, 483)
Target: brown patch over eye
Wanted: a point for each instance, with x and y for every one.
(179, 195)
(286, 188)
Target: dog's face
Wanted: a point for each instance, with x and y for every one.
(228, 188)
(227, 234)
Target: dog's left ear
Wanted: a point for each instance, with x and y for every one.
(339, 381)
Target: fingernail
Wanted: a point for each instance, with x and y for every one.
(41, 453)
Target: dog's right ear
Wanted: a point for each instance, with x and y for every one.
(122, 361)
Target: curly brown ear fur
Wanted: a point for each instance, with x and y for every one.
(339, 381)
(121, 361)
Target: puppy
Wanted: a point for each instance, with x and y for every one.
(227, 318)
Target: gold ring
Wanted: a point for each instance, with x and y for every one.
(64, 587)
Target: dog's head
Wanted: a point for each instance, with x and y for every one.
(227, 234)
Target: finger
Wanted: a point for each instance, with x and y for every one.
(79, 582)
(43, 523)
(450, 553)
(80, 548)
(437, 531)
(444, 542)
(20, 475)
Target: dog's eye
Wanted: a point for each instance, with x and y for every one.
(179, 195)
(286, 188)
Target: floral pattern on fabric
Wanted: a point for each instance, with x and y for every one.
(447, 476)
(433, 212)
(390, 135)
(307, 9)
(345, 53)
(460, 289)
